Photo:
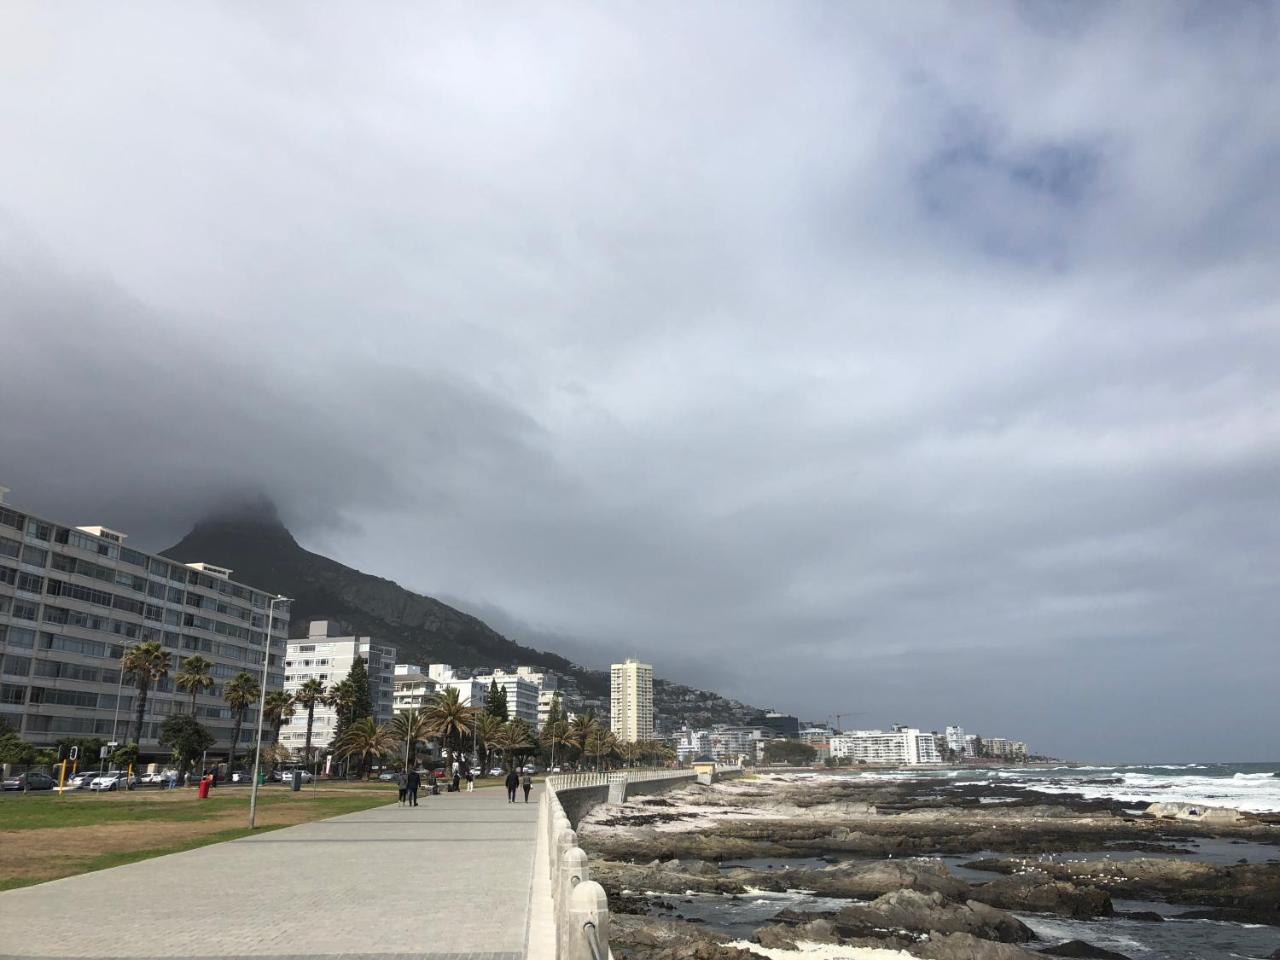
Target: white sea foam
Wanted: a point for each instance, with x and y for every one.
(809, 950)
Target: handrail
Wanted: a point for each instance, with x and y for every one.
(591, 932)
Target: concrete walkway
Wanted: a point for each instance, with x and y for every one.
(449, 878)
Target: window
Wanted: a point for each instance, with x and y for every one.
(15, 665)
(8, 575)
(24, 611)
(18, 637)
(11, 518)
(12, 693)
(133, 557)
(41, 531)
(34, 556)
(30, 583)
(158, 568)
(10, 548)
(87, 648)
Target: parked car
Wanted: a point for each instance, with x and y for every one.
(387, 775)
(82, 780)
(115, 780)
(497, 772)
(30, 781)
(156, 777)
(287, 776)
(438, 773)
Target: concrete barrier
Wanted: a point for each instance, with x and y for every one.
(569, 919)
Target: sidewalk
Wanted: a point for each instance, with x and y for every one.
(449, 878)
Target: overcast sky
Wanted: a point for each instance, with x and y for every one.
(919, 360)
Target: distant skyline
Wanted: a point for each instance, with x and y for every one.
(835, 357)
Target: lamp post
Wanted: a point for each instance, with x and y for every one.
(262, 708)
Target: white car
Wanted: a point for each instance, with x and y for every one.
(153, 778)
(287, 775)
(81, 781)
(112, 781)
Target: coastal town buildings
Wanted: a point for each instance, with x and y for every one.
(522, 693)
(814, 735)
(783, 725)
(902, 745)
(1001, 748)
(956, 741)
(412, 688)
(74, 599)
(631, 696)
(328, 658)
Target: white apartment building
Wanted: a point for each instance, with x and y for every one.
(905, 745)
(815, 734)
(74, 599)
(730, 743)
(522, 693)
(691, 744)
(1010, 749)
(328, 658)
(956, 741)
(631, 695)
(470, 691)
(412, 689)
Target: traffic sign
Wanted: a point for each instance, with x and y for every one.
(75, 753)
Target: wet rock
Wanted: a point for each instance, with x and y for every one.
(865, 881)
(1038, 892)
(1197, 813)
(1144, 916)
(964, 946)
(1078, 948)
(649, 938)
(659, 878)
(775, 938)
(918, 912)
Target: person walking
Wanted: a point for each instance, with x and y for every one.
(411, 786)
(513, 781)
(471, 780)
(402, 781)
(527, 783)
(457, 779)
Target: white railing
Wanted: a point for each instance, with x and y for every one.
(576, 904)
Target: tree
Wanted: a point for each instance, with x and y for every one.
(364, 739)
(411, 728)
(600, 744)
(487, 734)
(555, 714)
(12, 747)
(356, 701)
(495, 702)
(184, 735)
(194, 677)
(581, 729)
(146, 663)
(979, 747)
(123, 757)
(555, 733)
(307, 696)
(240, 692)
(449, 719)
(278, 708)
(789, 751)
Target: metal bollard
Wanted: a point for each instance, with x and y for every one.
(586, 925)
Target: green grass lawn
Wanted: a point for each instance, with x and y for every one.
(37, 813)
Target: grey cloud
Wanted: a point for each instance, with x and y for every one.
(836, 357)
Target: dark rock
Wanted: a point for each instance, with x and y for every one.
(1037, 892)
(1145, 916)
(1078, 948)
(930, 913)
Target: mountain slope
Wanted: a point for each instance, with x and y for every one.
(260, 551)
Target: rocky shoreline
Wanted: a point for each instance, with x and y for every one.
(867, 851)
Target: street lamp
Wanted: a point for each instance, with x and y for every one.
(262, 707)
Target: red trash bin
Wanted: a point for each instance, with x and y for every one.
(204, 788)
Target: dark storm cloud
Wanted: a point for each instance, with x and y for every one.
(837, 357)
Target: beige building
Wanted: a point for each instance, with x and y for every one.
(632, 701)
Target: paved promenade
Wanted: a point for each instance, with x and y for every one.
(449, 878)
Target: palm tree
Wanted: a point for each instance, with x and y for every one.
(193, 677)
(555, 734)
(520, 738)
(411, 728)
(278, 709)
(239, 692)
(365, 739)
(631, 751)
(307, 696)
(147, 662)
(600, 744)
(488, 732)
(449, 718)
(581, 729)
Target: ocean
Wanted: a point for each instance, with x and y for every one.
(1254, 787)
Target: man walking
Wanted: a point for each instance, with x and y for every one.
(411, 785)
(513, 781)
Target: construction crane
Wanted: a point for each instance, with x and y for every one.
(840, 717)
